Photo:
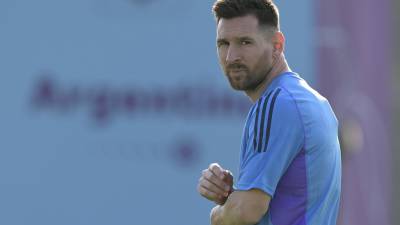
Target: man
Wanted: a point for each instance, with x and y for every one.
(290, 163)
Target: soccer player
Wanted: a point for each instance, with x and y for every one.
(290, 163)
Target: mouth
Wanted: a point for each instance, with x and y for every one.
(236, 73)
(236, 70)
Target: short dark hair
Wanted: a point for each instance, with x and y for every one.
(264, 10)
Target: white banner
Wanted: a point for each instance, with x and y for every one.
(110, 109)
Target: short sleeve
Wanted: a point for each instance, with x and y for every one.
(276, 136)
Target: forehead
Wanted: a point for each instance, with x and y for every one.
(238, 26)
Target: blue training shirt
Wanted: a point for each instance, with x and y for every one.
(290, 150)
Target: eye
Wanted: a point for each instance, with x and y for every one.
(245, 42)
(222, 44)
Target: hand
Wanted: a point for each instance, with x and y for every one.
(215, 184)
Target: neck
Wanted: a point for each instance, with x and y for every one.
(280, 66)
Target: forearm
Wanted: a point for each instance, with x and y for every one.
(215, 216)
(223, 215)
(241, 208)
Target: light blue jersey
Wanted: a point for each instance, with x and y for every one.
(290, 150)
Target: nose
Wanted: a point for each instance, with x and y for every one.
(233, 55)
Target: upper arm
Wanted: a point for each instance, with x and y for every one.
(249, 206)
(276, 136)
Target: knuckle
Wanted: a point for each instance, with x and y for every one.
(220, 184)
(205, 193)
(213, 166)
(208, 175)
(217, 170)
(201, 191)
(207, 185)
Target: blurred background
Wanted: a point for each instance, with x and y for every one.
(110, 109)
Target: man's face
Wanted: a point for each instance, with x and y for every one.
(245, 51)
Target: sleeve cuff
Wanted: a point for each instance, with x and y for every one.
(246, 187)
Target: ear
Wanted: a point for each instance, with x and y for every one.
(278, 41)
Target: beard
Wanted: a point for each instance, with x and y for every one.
(242, 79)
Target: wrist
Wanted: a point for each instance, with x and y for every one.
(215, 215)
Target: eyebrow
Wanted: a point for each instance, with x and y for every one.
(245, 38)
(221, 40)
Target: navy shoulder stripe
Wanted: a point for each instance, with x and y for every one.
(271, 111)
(258, 138)
(256, 128)
(255, 124)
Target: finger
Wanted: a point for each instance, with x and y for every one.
(212, 178)
(203, 181)
(221, 200)
(218, 199)
(227, 173)
(207, 193)
(217, 170)
(214, 188)
(228, 177)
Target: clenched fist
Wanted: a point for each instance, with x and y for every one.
(216, 184)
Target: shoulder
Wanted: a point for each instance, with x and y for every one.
(279, 99)
(306, 99)
(313, 109)
(300, 90)
(276, 120)
(277, 108)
